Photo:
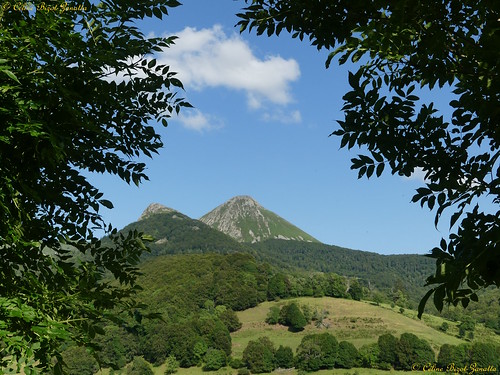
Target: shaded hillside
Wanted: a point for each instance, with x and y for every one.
(407, 272)
(176, 233)
(246, 220)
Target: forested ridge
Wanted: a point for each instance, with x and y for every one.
(176, 233)
(388, 273)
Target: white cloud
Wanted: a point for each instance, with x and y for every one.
(211, 58)
(196, 120)
(291, 117)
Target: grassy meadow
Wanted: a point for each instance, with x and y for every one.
(358, 322)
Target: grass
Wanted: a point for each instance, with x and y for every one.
(358, 322)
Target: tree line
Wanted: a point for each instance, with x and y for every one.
(318, 351)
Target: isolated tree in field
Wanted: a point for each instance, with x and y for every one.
(80, 92)
(400, 47)
(291, 316)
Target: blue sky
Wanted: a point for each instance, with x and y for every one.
(264, 108)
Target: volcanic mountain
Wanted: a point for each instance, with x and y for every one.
(246, 220)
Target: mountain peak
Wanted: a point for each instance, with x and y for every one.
(244, 219)
(155, 208)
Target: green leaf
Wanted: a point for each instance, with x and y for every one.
(354, 80)
(106, 203)
(439, 295)
(11, 75)
(157, 12)
(423, 302)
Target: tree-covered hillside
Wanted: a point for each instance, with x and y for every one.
(176, 233)
(385, 272)
(180, 285)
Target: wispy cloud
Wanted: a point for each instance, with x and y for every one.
(196, 120)
(211, 58)
(282, 116)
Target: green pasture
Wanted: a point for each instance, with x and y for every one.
(358, 322)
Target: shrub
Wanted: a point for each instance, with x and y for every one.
(284, 357)
(139, 366)
(243, 371)
(258, 356)
(347, 355)
(444, 327)
(273, 316)
(214, 360)
(236, 363)
(171, 365)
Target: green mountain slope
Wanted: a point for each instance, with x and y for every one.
(246, 220)
(386, 272)
(176, 233)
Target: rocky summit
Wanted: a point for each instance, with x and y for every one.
(244, 219)
(155, 208)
